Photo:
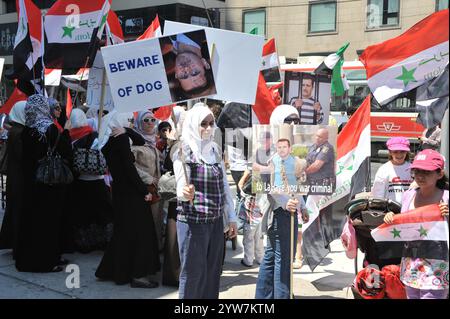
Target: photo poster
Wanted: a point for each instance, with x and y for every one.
(236, 60)
(282, 156)
(304, 90)
(94, 86)
(139, 71)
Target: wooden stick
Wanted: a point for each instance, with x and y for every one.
(291, 258)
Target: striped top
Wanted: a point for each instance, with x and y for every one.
(308, 114)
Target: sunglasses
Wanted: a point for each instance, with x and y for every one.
(290, 120)
(206, 124)
(58, 108)
(147, 120)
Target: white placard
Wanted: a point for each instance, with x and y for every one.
(94, 88)
(136, 75)
(236, 60)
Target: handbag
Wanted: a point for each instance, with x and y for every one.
(89, 162)
(53, 169)
(167, 186)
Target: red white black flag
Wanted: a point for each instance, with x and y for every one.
(73, 29)
(27, 53)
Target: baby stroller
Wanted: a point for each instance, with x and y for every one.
(366, 214)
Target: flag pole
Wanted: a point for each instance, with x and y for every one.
(81, 78)
(102, 99)
(291, 257)
(207, 14)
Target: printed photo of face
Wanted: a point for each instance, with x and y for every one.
(190, 70)
(283, 149)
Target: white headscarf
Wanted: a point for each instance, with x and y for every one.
(17, 113)
(111, 120)
(78, 118)
(191, 133)
(92, 112)
(281, 112)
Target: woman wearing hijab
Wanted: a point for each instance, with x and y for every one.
(204, 204)
(274, 271)
(91, 200)
(132, 255)
(148, 165)
(14, 180)
(39, 239)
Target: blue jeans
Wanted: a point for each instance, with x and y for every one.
(275, 270)
(201, 250)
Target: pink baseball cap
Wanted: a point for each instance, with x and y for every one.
(398, 144)
(428, 160)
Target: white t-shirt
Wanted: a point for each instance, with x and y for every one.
(391, 181)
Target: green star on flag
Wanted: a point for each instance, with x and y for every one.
(407, 76)
(254, 30)
(423, 232)
(68, 31)
(396, 233)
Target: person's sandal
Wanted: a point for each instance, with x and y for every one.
(57, 269)
(298, 263)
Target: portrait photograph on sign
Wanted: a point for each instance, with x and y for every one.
(188, 65)
(310, 94)
(294, 159)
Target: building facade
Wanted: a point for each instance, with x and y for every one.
(319, 27)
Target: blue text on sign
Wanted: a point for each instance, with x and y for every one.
(135, 63)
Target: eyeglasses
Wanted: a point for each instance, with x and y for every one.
(58, 108)
(206, 124)
(148, 119)
(290, 120)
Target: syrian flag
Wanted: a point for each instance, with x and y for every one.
(27, 53)
(264, 103)
(114, 29)
(403, 63)
(73, 29)
(352, 176)
(15, 97)
(424, 226)
(78, 81)
(333, 65)
(52, 77)
(270, 64)
(153, 31)
(432, 100)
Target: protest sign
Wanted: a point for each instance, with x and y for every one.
(294, 159)
(142, 73)
(236, 61)
(94, 86)
(310, 94)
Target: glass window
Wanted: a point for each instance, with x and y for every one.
(441, 5)
(322, 16)
(254, 22)
(382, 13)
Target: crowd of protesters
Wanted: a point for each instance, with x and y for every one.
(121, 211)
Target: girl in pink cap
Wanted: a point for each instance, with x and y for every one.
(425, 277)
(393, 178)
